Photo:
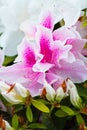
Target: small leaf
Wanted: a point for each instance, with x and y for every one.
(18, 108)
(79, 119)
(41, 106)
(29, 114)
(82, 91)
(84, 23)
(67, 110)
(20, 129)
(60, 113)
(43, 101)
(15, 122)
(9, 60)
(37, 126)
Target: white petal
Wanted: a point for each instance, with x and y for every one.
(14, 14)
(12, 97)
(83, 4)
(8, 127)
(50, 92)
(23, 92)
(59, 94)
(3, 86)
(9, 41)
(1, 57)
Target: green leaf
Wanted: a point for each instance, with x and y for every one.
(60, 113)
(29, 114)
(15, 122)
(67, 110)
(43, 101)
(37, 126)
(84, 23)
(79, 119)
(82, 91)
(41, 106)
(52, 122)
(9, 60)
(18, 108)
(20, 129)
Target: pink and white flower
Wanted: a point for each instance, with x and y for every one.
(51, 55)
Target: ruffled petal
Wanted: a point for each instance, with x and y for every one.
(76, 71)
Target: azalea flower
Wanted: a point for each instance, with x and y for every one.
(52, 56)
(14, 13)
(68, 69)
(68, 37)
(14, 94)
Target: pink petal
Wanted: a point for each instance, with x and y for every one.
(47, 20)
(76, 71)
(26, 53)
(42, 67)
(35, 89)
(36, 84)
(44, 38)
(52, 78)
(29, 57)
(77, 44)
(14, 73)
(60, 52)
(81, 29)
(63, 34)
(24, 75)
(84, 51)
(83, 58)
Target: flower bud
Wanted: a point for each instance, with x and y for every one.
(74, 96)
(23, 92)
(4, 125)
(50, 92)
(8, 127)
(14, 94)
(60, 94)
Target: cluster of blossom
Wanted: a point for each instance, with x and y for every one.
(47, 57)
(49, 60)
(17, 94)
